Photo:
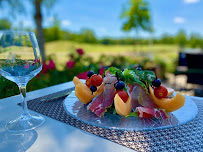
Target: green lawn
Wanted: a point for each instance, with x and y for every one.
(65, 46)
(61, 49)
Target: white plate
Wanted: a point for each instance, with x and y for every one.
(78, 110)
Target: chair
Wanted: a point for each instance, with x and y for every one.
(195, 68)
(182, 64)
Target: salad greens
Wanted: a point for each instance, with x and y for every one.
(143, 77)
(131, 76)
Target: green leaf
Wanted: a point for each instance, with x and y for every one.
(141, 83)
(129, 76)
(145, 76)
(149, 77)
(132, 114)
(113, 71)
(114, 112)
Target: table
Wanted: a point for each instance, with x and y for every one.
(53, 135)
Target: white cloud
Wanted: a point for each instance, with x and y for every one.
(179, 20)
(191, 1)
(65, 22)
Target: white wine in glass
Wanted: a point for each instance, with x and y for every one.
(20, 61)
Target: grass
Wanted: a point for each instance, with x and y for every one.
(61, 49)
(64, 46)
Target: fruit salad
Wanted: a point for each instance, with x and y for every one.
(128, 92)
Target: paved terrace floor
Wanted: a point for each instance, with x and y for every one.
(179, 83)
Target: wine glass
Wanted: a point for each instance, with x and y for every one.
(20, 61)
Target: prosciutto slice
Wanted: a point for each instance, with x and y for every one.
(134, 94)
(153, 112)
(140, 97)
(163, 114)
(96, 105)
(105, 98)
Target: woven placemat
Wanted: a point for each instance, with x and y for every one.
(188, 137)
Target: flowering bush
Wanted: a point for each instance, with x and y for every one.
(70, 64)
(80, 51)
(78, 65)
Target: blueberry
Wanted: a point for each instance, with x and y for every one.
(119, 85)
(156, 83)
(93, 88)
(139, 68)
(90, 73)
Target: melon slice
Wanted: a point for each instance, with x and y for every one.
(83, 93)
(122, 108)
(168, 104)
(76, 81)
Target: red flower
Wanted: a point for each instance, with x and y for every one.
(70, 64)
(37, 60)
(45, 67)
(83, 75)
(26, 66)
(101, 70)
(80, 51)
(51, 65)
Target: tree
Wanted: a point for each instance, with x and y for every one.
(53, 32)
(18, 5)
(137, 16)
(88, 36)
(195, 40)
(38, 20)
(167, 39)
(5, 24)
(181, 38)
(15, 5)
(40, 32)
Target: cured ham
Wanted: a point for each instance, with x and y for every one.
(105, 98)
(163, 114)
(133, 93)
(140, 97)
(149, 113)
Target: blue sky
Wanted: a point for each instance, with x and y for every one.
(103, 16)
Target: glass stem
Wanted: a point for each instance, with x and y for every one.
(25, 113)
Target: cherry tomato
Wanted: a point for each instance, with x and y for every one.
(88, 82)
(160, 92)
(96, 80)
(145, 115)
(123, 95)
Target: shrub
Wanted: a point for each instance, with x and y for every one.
(77, 65)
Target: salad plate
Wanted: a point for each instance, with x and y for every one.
(79, 111)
